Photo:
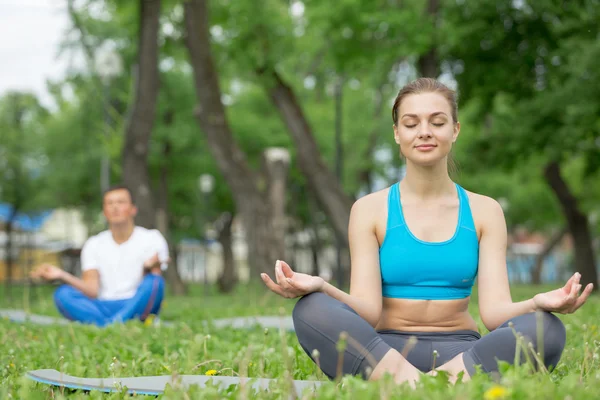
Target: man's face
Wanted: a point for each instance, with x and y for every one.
(118, 208)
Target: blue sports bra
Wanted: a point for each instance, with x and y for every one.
(415, 269)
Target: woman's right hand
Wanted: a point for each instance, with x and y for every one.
(292, 284)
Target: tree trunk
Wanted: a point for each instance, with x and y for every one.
(428, 63)
(321, 180)
(315, 241)
(276, 163)
(578, 225)
(228, 279)
(364, 174)
(19, 196)
(536, 272)
(9, 250)
(141, 122)
(250, 202)
(178, 287)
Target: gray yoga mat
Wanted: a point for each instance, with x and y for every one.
(152, 385)
(22, 316)
(263, 321)
(271, 322)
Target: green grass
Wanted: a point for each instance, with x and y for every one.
(188, 348)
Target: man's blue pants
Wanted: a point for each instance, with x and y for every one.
(76, 306)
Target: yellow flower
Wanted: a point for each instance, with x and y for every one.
(495, 392)
(149, 320)
(212, 372)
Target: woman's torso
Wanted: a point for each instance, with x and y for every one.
(432, 233)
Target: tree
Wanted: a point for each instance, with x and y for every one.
(21, 128)
(143, 112)
(250, 201)
(523, 63)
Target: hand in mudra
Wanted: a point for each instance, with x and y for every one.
(565, 300)
(47, 272)
(292, 284)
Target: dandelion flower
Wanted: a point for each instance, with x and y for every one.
(495, 392)
(212, 372)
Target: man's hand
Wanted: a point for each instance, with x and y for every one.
(48, 272)
(152, 262)
(153, 265)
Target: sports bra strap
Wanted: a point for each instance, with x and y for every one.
(466, 217)
(394, 218)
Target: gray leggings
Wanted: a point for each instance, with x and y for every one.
(319, 320)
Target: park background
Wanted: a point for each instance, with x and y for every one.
(247, 129)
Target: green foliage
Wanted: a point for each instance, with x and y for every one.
(21, 159)
(526, 74)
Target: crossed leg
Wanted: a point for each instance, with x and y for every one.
(319, 320)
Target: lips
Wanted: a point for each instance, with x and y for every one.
(425, 146)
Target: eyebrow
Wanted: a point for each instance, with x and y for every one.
(432, 115)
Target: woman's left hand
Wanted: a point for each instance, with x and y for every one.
(565, 300)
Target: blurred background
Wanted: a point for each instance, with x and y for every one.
(246, 129)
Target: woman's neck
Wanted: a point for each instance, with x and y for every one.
(427, 183)
(122, 232)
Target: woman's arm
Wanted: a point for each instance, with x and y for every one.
(365, 282)
(365, 279)
(495, 302)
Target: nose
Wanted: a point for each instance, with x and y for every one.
(424, 131)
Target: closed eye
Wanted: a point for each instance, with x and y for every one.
(410, 126)
(438, 124)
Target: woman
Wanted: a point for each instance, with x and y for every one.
(416, 248)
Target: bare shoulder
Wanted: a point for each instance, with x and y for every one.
(486, 210)
(371, 202)
(369, 208)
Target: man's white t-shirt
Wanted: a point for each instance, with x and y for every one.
(121, 266)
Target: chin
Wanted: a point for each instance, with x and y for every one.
(426, 161)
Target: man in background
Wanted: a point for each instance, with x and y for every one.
(121, 269)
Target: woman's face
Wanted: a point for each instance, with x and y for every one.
(425, 130)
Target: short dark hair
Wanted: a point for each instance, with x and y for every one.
(119, 187)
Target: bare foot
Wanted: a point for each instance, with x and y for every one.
(395, 364)
(453, 368)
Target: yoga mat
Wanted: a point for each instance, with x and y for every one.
(22, 316)
(152, 385)
(263, 321)
(271, 322)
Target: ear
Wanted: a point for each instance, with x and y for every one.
(456, 132)
(134, 211)
(396, 134)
